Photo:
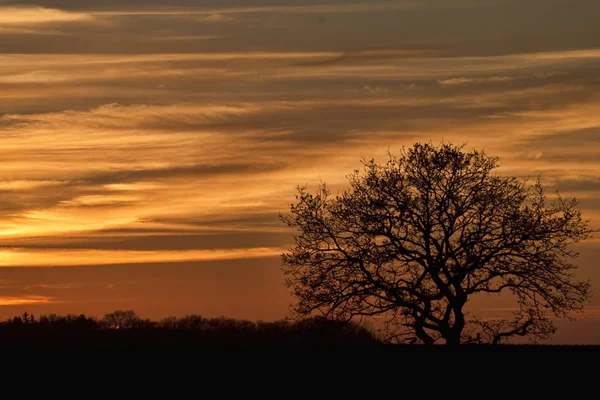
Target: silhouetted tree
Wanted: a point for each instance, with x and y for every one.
(28, 318)
(168, 323)
(414, 239)
(121, 319)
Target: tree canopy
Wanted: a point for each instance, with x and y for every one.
(413, 240)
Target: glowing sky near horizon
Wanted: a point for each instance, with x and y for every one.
(148, 147)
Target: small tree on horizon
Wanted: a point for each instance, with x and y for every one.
(415, 239)
(121, 319)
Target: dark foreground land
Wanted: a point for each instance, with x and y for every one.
(123, 352)
(124, 331)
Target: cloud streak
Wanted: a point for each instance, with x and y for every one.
(38, 15)
(74, 258)
(25, 300)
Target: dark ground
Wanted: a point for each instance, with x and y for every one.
(225, 343)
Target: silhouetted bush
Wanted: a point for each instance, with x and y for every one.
(322, 330)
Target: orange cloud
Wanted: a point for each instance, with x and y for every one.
(25, 300)
(38, 15)
(71, 258)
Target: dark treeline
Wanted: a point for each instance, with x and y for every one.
(125, 327)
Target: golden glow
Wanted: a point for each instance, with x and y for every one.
(159, 134)
(70, 258)
(37, 15)
(25, 300)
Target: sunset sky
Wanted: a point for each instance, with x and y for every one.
(147, 147)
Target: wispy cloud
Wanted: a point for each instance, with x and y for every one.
(25, 300)
(53, 286)
(188, 37)
(339, 8)
(467, 81)
(71, 258)
(38, 15)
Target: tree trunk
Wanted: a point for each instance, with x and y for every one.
(453, 340)
(454, 334)
(422, 334)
